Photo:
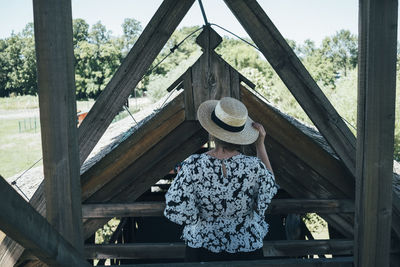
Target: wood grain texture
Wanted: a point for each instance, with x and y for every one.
(212, 77)
(375, 134)
(335, 262)
(297, 79)
(25, 225)
(131, 71)
(56, 83)
(190, 112)
(281, 248)
(148, 135)
(301, 166)
(149, 168)
(277, 206)
(280, 128)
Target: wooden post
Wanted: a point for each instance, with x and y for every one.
(25, 225)
(131, 71)
(56, 82)
(375, 133)
(297, 79)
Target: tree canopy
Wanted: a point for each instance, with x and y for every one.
(98, 55)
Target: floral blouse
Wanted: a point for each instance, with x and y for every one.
(221, 213)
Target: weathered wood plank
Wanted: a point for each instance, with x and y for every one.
(335, 262)
(297, 79)
(277, 206)
(190, 112)
(177, 250)
(134, 172)
(302, 167)
(148, 135)
(375, 134)
(221, 78)
(132, 69)
(10, 251)
(26, 226)
(297, 142)
(234, 83)
(148, 169)
(56, 83)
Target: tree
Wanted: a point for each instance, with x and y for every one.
(132, 29)
(99, 34)
(80, 31)
(342, 49)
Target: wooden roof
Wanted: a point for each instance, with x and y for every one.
(304, 162)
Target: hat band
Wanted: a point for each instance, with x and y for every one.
(225, 126)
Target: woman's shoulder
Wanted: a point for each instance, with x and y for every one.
(192, 159)
(249, 159)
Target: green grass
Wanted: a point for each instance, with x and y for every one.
(20, 145)
(19, 102)
(18, 150)
(32, 102)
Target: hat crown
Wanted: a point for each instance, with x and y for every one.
(231, 111)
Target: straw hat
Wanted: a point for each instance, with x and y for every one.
(227, 120)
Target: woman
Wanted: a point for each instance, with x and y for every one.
(221, 196)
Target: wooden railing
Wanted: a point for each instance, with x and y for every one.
(277, 206)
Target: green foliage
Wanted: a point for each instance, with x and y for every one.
(104, 234)
(18, 64)
(132, 29)
(341, 49)
(98, 55)
(80, 31)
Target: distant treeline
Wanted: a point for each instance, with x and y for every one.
(98, 55)
(333, 65)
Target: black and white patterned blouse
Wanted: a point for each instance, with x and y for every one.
(221, 213)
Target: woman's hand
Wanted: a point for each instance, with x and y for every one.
(261, 137)
(260, 147)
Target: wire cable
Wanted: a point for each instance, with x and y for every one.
(172, 50)
(237, 36)
(22, 192)
(15, 181)
(127, 109)
(203, 12)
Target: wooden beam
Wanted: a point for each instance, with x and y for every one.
(128, 75)
(26, 226)
(277, 206)
(56, 83)
(335, 262)
(375, 133)
(304, 164)
(300, 141)
(282, 248)
(133, 147)
(151, 166)
(131, 71)
(297, 79)
(185, 140)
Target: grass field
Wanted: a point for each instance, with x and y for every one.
(20, 145)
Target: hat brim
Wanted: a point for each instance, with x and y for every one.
(245, 137)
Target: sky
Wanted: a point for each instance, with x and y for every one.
(295, 19)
